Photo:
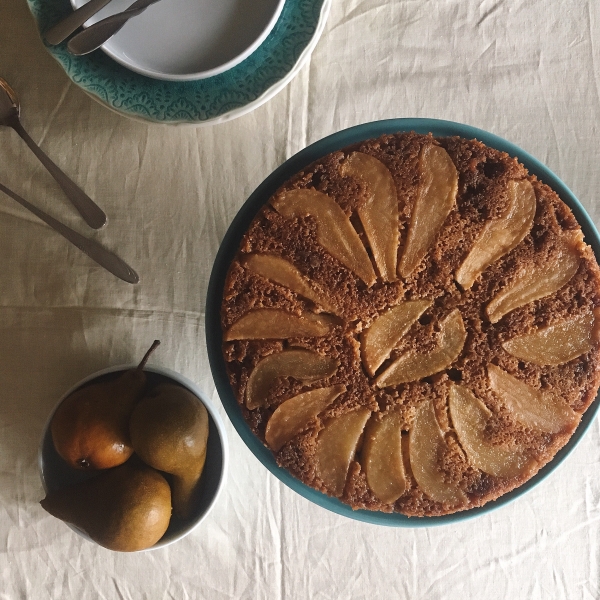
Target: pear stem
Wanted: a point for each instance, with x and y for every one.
(155, 345)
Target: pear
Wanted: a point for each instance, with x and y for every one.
(336, 448)
(284, 273)
(499, 236)
(127, 508)
(558, 343)
(305, 365)
(295, 414)
(274, 323)
(379, 215)
(382, 459)
(435, 200)
(426, 443)
(533, 282)
(413, 365)
(469, 416)
(169, 431)
(90, 427)
(378, 341)
(532, 407)
(335, 231)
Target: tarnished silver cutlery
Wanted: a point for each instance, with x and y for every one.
(95, 35)
(63, 29)
(105, 258)
(9, 117)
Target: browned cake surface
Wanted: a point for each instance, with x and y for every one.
(483, 175)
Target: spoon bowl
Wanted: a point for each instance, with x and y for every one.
(9, 102)
(10, 113)
(60, 31)
(95, 35)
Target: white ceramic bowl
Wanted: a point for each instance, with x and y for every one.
(181, 40)
(56, 473)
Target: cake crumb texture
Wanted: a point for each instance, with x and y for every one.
(484, 175)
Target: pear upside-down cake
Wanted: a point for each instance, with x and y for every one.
(410, 324)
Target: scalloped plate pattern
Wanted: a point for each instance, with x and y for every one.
(213, 100)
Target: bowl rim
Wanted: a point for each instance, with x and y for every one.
(229, 247)
(192, 387)
(108, 49)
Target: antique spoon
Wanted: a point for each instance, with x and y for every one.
(95, 35)
(105, 258)
(63, 29)
(9, 117)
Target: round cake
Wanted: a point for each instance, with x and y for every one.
(409, 324)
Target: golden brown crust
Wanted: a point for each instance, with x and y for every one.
(483, 177)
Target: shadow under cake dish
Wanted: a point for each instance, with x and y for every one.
(410, 324)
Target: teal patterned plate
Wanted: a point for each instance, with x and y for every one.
(214, 100)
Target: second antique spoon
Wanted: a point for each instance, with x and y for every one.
(105, 258)
(95, 35)
(63, 29)
(92, 214)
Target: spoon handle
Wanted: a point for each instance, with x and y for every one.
(105, 258)
(63, 29)
(92, 214)
(95, 35)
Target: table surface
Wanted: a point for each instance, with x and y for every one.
(528, 71)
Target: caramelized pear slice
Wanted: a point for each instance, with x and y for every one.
(284, 273)
(382, 457)
(336, 448)
(301, 364)
(413, 365)
(469, 416)
(532, 407)
(539, 281)
(426, 445)
(501, 235)
(292, 416)
(556, 344)
(387, 330)
(435, 198)
(334, 230)
(379, 215)
(273, 323)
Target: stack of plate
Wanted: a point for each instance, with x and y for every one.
(192, 61)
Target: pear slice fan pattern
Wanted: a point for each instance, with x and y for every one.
(445, 451)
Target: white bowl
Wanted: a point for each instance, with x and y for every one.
(181, 40)
(56, 473)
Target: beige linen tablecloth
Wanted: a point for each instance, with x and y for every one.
(527, 70)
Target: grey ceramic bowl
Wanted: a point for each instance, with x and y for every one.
(57, 474)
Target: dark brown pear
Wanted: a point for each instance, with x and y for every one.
(90, 428)
(127, 508)
(169, 431)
